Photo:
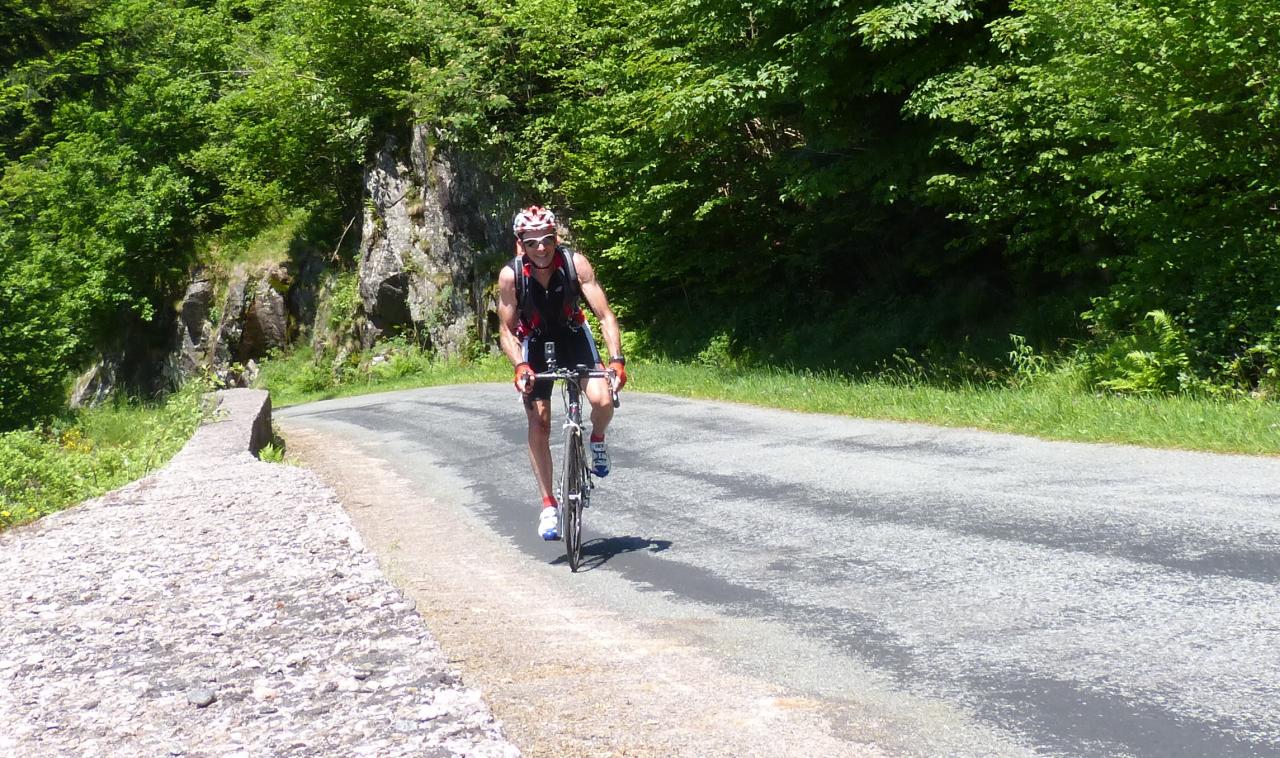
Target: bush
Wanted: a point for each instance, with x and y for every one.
(1132, 142)
(1154, 359)
(83, 456)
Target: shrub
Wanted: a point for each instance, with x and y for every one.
(45, 470)
(1155, 358)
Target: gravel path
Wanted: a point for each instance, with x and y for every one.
(222, 606)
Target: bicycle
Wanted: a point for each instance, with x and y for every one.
(576, 482)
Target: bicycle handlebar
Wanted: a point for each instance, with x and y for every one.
(582, 372)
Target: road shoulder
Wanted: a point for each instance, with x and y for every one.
(565, 678)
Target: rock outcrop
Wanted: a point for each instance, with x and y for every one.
(254, 320)
(434, 234)
(266, 316)
(133, 358)
(192, 331)
(97, 382)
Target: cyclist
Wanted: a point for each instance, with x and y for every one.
(538, 302)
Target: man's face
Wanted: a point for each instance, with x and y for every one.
(539, 244)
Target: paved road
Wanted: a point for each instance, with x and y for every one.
(1072, 599)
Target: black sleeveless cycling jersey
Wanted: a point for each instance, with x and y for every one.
(551, 309)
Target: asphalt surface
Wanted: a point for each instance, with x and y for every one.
(1064, 598)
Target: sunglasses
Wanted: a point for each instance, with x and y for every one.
(533, 242)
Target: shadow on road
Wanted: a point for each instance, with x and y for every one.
(597, 552)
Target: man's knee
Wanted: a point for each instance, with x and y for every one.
(598, 394)
(540, 420)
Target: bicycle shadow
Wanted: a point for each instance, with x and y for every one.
(597, 552)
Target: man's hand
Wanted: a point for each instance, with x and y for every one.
(620, 371)
(524, 378)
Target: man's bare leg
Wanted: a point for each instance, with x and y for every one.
(539, 413)
(601, 414)
(601, 406)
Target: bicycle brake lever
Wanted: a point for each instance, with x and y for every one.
(613, 388)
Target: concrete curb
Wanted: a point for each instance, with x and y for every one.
(241, 423)
(220, 605)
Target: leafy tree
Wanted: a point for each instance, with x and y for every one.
(726, 149)
(311, 85)
(130, 128)
(1138, 139)
(98, 214)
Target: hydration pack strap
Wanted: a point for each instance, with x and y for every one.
(529, 316)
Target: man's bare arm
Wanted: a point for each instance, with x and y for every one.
(594, 294)
(508, 317)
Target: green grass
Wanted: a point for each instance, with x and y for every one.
(298, 377)
(90, 453)
(1046, 404)
(269, 245)
(1045, 408)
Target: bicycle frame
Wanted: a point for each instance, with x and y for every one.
(571, 399)
(571, 392)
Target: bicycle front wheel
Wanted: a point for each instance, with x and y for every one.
(574, 498)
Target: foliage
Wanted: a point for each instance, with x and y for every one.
(789, 182)
(803, 165)
(1137, 139)
(1153, 359)
(271, 243)
(83, 456)
(344, 301)
(93, 197)
(271, 453)
(1048, 408)
(302, 375)
(131, 129)
(1027, 365)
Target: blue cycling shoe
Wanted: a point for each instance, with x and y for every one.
(599, 459)
(549, 523)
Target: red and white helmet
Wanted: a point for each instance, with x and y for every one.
(533, 218)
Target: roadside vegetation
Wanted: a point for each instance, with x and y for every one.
(1052, 407)
(86, 454)
(300, 376)
(746, 170)
(1029, 394)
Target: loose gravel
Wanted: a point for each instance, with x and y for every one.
(222, 606)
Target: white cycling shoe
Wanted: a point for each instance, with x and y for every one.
(599, 459)
(549, 523)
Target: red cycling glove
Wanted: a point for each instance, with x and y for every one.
(621, 370)
(524, 378)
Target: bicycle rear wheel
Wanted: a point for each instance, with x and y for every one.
(574, 496)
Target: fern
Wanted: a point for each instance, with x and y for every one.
(1156, 360)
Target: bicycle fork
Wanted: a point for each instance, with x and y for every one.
(571, 423)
